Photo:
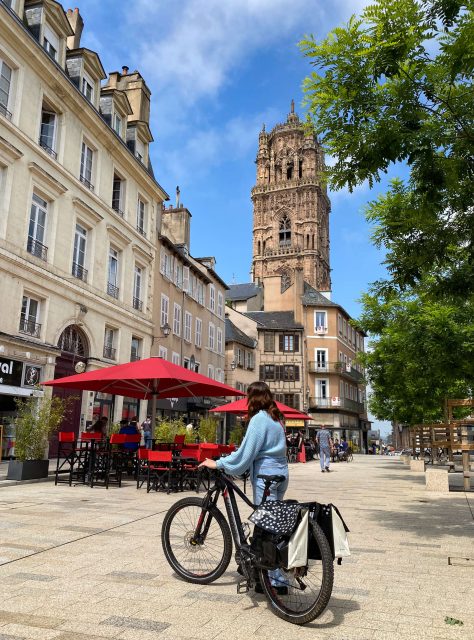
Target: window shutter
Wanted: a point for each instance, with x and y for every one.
(186, 279)
(297, 343)
(281, 338)
(262, 372)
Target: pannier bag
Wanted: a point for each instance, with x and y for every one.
(335, 529)
(278, 517)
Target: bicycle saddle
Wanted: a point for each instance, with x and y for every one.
(272, 478)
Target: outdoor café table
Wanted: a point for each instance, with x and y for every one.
(95, 457)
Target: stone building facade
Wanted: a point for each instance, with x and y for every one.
(307, 343)
(189, 304)
(290, 206)
(79, 206)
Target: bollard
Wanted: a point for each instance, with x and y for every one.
(437, 480)
(417, 466)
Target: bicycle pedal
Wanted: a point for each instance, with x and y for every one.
(243, 586)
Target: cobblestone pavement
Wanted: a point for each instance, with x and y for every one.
(79, 563)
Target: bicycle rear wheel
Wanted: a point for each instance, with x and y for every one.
(308, 589)
(199, 559)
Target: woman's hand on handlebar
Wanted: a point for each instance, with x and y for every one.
(210, 464)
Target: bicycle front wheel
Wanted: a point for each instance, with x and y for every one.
(198, 558)
(301, 595)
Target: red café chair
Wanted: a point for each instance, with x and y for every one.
(189, 471)
(68, 456)
(160, 471)
(142, 466)
(226, 449)
(123, 456)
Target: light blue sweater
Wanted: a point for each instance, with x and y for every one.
(265, 438)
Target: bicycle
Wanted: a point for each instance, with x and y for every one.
(197, 543)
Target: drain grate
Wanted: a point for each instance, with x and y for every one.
(460, 562)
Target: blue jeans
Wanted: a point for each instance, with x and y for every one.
(277, 492)
(324, 457)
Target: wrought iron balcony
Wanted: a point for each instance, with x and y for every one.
(37, 249)
(4, 112)
(78, 271)
(85, 181)
(341, 368)
(112, 290)
(109, 352)
(337, 403)
(117, 209)
(48, 149)
(141, 230)
(137, 304)
(30, 327)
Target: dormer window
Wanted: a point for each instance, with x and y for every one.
(87, 88)
(50, 43)
(117, 124)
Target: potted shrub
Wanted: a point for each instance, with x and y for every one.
(36, 420)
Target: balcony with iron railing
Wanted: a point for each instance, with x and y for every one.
(79, 272)
(48, 149)
(137, 304)
(30, 327)
(341, 368)
(109, 352)
(4, 112)
(337, 403)
(85, 181)
(112, 290)
(141, 230)
(37, 249)
(117, 209)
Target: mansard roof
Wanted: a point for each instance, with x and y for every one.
(244, 291)
(234, 334)
(275, 320)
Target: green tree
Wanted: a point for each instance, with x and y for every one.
(395, 86)
(208, 429)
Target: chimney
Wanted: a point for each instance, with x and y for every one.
(124, 71)
(77, 25)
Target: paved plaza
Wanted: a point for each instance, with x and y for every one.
(86, 564)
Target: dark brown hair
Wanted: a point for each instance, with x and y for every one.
(260, 397)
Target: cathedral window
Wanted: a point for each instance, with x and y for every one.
(285, 232)
(300, 169)
(258, 247)
(289, 172)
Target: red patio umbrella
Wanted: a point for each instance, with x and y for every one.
(144, 379)
(239, 407)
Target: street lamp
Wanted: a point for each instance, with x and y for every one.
(165, 329)
(233, 365)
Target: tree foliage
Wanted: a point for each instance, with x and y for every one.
(394, 88)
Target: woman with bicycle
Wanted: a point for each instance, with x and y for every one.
(263, 450)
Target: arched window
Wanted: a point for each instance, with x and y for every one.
(289, 172)
(313, 240)
(73, 341)
(285, 232)
(307, 241)
(258, 248)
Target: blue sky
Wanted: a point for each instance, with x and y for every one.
(217, 70)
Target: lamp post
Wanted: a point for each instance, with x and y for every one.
(165, 332)
(233, 365)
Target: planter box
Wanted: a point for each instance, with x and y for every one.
(27, 469)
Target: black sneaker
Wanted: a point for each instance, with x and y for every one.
(327, 469)
(258, 587)
(322, 470)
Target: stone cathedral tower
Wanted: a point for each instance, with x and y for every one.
(290, 207)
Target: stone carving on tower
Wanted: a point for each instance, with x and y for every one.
(290, 206)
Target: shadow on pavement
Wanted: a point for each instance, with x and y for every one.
(338, 607)
(411, 477)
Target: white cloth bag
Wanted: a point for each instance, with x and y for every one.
(298, 544)
(341, 544)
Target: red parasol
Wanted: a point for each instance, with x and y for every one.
(150, 378)
(239, 407)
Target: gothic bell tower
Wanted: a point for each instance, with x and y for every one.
(290, 206)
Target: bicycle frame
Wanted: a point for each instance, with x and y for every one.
(225, 486)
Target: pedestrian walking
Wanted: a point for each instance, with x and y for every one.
(146, 430)
(324, 440)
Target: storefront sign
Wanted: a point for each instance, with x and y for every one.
(32, 375)
(11, 372)
(294, 423)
